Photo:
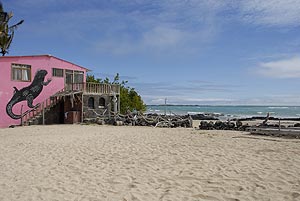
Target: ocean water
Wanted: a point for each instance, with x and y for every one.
(228, 111)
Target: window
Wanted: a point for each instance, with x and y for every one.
(91, 103)
(21, 72)
(74, 76)
(69, 76)
(78, 77)
(57, 72)
(101, 102)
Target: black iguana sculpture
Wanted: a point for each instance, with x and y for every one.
(28, 93)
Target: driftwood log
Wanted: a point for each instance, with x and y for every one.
(276, 130)
(138, 119)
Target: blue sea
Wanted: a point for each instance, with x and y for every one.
(227, 111)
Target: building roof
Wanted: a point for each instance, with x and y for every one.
(46, 55)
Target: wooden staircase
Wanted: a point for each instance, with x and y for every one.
(38, 113)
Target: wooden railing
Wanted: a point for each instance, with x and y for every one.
(39, 109)
(93, 88)
(87, 88)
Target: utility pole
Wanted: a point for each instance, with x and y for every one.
(165, 106)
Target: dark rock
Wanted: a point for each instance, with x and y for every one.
(202, 117)
(297, 125)
(203, 125)
(219, 125)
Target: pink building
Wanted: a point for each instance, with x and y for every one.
(31, 86)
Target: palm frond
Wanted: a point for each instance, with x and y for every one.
(6, 31)
(13, 27)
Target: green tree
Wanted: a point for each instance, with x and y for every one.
(91, 78)
(6, 31)
(129, 98)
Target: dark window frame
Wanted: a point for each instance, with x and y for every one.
(102, 102)
(74, 76)
(78, 75)
(21, 72)
(91, 103)
(57, 72)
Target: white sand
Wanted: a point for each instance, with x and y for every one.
(75, 162)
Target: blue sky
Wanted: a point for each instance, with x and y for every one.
(230, 52)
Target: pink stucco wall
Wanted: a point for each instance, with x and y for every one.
(44, 62)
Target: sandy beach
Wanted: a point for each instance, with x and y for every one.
(80, 162)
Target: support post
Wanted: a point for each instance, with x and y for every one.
(165, 106)
(109, 108)
(82, 108)
(115, 103)
(43, 113)
(119, 104)
(21, 115)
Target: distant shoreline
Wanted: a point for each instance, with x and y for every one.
(228, 111)
(207, 105)
(253, 118)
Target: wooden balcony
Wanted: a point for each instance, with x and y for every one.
(94, 88)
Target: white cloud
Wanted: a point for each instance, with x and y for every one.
(271, 12)
(169, 26)
(189, 100)
(161, 37)
(288, 68)
(162, 26)
(122, 27)
(282, 99)
(186, 92)
(176, 26)
(268, 99)
(157, 39)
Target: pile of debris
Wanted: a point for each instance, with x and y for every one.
(138, 119)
